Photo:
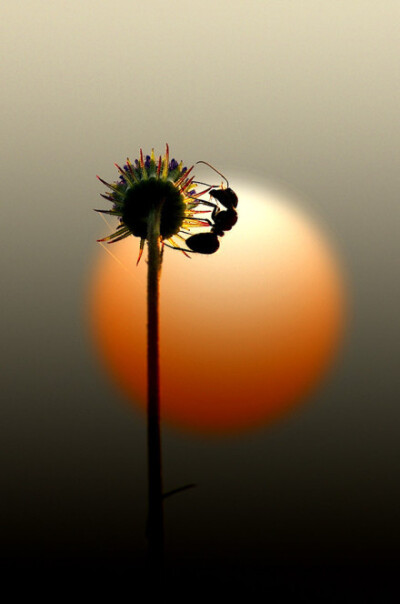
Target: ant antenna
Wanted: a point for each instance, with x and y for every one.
(215, 170)
(198, 182)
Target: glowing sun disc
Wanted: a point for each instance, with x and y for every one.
(245, 333)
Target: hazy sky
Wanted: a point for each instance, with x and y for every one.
(302, 93)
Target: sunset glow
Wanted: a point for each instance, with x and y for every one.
(245, 333)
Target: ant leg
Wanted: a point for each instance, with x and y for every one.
(215, 212)
(202, 220)
(181, 249)
(208, 203)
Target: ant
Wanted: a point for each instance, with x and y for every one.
(223, 220)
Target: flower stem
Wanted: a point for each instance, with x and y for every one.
(155, 511)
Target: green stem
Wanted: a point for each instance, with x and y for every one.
(155, 517)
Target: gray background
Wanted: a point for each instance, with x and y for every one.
(305, 93)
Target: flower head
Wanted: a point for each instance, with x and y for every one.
(149, 183)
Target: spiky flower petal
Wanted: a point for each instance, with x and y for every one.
(148, 183)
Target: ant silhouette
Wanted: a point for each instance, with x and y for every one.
(223, 220)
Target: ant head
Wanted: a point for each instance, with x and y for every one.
(227, 197)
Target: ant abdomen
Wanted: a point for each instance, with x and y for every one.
(203, 243)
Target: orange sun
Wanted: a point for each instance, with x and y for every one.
(245, 333)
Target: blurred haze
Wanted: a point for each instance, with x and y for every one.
(305, 94)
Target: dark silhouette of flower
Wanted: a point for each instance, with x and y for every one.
(148, 183)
